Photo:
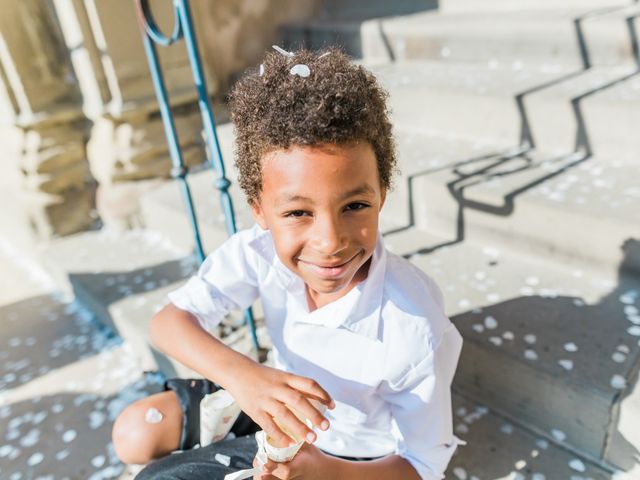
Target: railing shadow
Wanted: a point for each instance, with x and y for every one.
(518, 159)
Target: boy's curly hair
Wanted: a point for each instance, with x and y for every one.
(339, 102)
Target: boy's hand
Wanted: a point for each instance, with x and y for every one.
(309, 464)
(263, 393)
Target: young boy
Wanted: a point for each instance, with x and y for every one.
(353, 326)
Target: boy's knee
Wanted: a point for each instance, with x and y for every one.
(136, 441)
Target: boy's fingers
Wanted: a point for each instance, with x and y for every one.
(293, 424)
(273, 431)
(304, 407)
(311, 388)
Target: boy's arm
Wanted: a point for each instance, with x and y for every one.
(261, 392)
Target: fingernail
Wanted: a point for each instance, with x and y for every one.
(324, 425)
(311, 437)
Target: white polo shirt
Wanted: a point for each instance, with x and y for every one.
(385, 352)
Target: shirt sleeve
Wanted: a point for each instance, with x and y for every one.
(421, 408)
(227, 280)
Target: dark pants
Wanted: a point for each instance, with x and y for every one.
(200, 464)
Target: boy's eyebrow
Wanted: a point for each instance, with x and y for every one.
(363, 189)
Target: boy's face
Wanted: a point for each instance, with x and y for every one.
(321, 204)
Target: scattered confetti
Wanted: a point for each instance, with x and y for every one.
(538, 476)
(462, 428)
(508, 335)
(570, 347)
(223, 459)
(566, 364)
(577, 465)
(520, 464)
(478, 327)
(301, 70)
(635, 330)
(618, 382)
(35, 459)
(618, 357)
(507, 428)
(460, 473)
(530, 354)
(69, 436)
(153, 415)
(623, 348)
(99, 460)
(490, 323)
(497, 341)
(542, 443)
(559, 435)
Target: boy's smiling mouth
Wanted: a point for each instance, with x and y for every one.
(328, 270)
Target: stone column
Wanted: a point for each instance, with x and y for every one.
(128, 150)
(48, 184)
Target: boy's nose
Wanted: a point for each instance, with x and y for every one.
(329, 237)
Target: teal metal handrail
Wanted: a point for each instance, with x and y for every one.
(183, 29)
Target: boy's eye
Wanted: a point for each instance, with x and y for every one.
(295, 213)
(356, 206)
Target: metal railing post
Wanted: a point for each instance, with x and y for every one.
(183, 28)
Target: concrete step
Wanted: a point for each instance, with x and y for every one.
(571, 208)
(553, 347)
(498, 100)
(522, 5)
(123, 278)
(499, 448)
(528, 35)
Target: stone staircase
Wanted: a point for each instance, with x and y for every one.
(518, 147)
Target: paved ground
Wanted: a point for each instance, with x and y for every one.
(63, 380)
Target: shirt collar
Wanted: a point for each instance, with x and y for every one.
(362, 304)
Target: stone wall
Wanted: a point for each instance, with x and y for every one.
(77, 100)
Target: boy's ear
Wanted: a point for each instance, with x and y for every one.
(383, 197)
(258, 214)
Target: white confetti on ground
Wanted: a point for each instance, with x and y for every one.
(530, 354)
(570, 347)
(462, 428)
(520, 464)
(618, 357)
(508, 335)
(630, 310)
(507, 428)
(153, 415)
(532, 281)
(538, 476)
(635, 330)
(69, 436)
(35, 459)
(530, 338)
(627, 298)
(99, 460)
(635, 319)
(542, 443)
(460, 473)
(623, 349)
(461, 412)
(559, 435)
(566, 364)
(490, 323)
(497, 341)
(62, 454)
(618, 382)
(577, 465)
(478, 327)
